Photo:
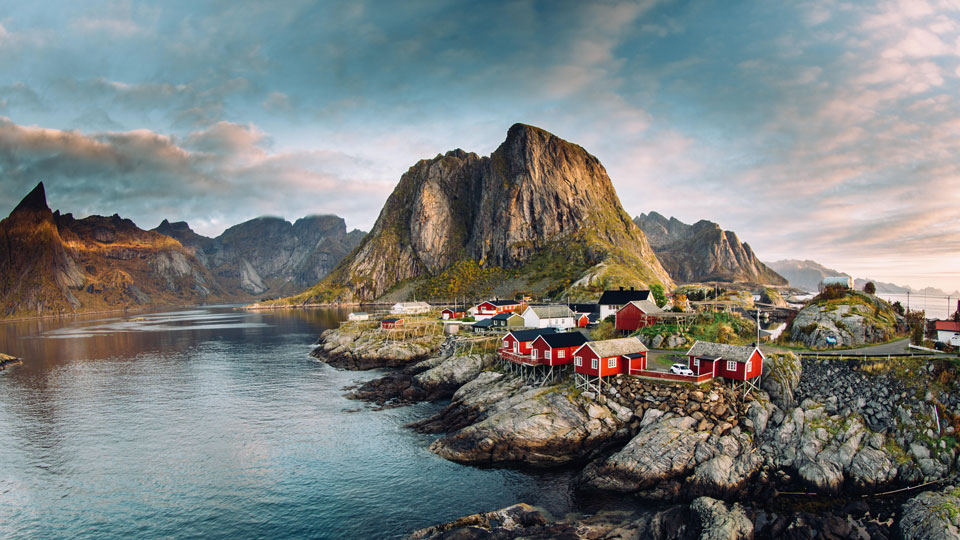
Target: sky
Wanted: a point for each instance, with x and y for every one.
(821, 130)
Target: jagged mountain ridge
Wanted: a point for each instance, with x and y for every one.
(805, 274)
(533, 192)
(55, 264)
(704, 252)
(269, 254)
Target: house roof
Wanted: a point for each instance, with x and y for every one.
(948, 326)
(551, 311)
(359, 313)
(530, 335)
(392, 319)
(503, 316)
(716, 351)
(483, 324)
(616, 347)
(412, 304)
(646, 306)
(564, 339)
(585, 308)
(634, 355)
(502, 303)
(620, 297)
(455, 310)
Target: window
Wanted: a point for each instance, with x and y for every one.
(578, 361)
(612, 363)
(593, 363)
(696, 362)
(561, 353)
(748, 367)
(506, 344)
(534, 353)
(731, 365)
(546, 354)
(516, 346)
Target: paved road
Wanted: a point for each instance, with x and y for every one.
(894, 347)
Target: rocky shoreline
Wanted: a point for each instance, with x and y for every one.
(826, 433)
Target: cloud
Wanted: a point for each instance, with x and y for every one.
(221, 175)
(21, 96)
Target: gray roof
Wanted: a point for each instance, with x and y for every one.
(647, 306)
(616, 347)
(740, 353)
(552, 311)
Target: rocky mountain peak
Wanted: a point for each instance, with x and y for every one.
(36, 200)
(499, 211)
(704, 252)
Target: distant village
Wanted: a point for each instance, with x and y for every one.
(545, 342)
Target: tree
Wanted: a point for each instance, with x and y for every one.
(916, 320)
(898, 307)
(658, 295)
(679, 302)
(870, 288)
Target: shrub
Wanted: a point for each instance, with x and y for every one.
(658, 295)
(870, 288)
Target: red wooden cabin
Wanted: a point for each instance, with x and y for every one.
(392, 322)
(636, 315)
(598, 359)
(494, 307)
(739, 363)
(449, 314)
(556, 349)
(517, 344)
(635, 362)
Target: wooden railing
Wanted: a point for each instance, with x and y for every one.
(696, 379)
(518, 358)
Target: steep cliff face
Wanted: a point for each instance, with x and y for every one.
(704, 252)
(535, 192)
(268, 254)
(52, 263)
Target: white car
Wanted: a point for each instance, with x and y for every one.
(681, 369)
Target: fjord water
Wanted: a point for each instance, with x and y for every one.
(215, 423)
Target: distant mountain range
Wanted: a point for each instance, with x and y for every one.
(538, 215)
(56, 264)
(269, 254)
(807, 275)
(703, 252)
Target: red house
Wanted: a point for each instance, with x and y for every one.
(739, 363)
(392, 322)
(449, 314)
(556, 349)
(637, 314)
(515, 346)
(494, 307)
(595, 360)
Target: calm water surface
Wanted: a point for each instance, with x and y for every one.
(215, 423)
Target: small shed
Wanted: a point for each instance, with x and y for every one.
(390, 323)
(735, 362)
(595, 360)
(555, 316)
(451, 314)
(947, 330)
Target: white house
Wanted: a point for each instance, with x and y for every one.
(407, 308)
(358, 316)
(947, 331)
(843, 281)
(611, 301)
(553, 316)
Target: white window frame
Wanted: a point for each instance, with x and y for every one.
(561, 353)
(546, 354)
(747, 370)
(516, 346)
(534, 354)
(612, 362)
(731, 365)
(594, 363)
(578, 361)
(696, 362)
(506, 344)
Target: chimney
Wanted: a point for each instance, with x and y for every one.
(631, 288)
(621, 288)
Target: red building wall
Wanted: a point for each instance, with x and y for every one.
(738, 374)
(603, 369)
(630, 318)
(634, 365)
(541, 346)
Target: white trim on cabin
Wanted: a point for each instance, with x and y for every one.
(732, 365)
(578, 361)
(594, 363)
(612, 362)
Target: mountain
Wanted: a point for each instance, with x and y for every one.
(538, 215)
(270, 254)
(805, 274)
(703, 252)
(55, 264)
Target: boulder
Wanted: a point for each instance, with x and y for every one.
(720, 521)
(934, 515)
(781, 377)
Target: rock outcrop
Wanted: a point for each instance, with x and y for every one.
(496, 419)
(535, 196)
(269, 255)
(855, 319)
(55, 264)
(934, 515)
(356, 349)
(703, 252)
